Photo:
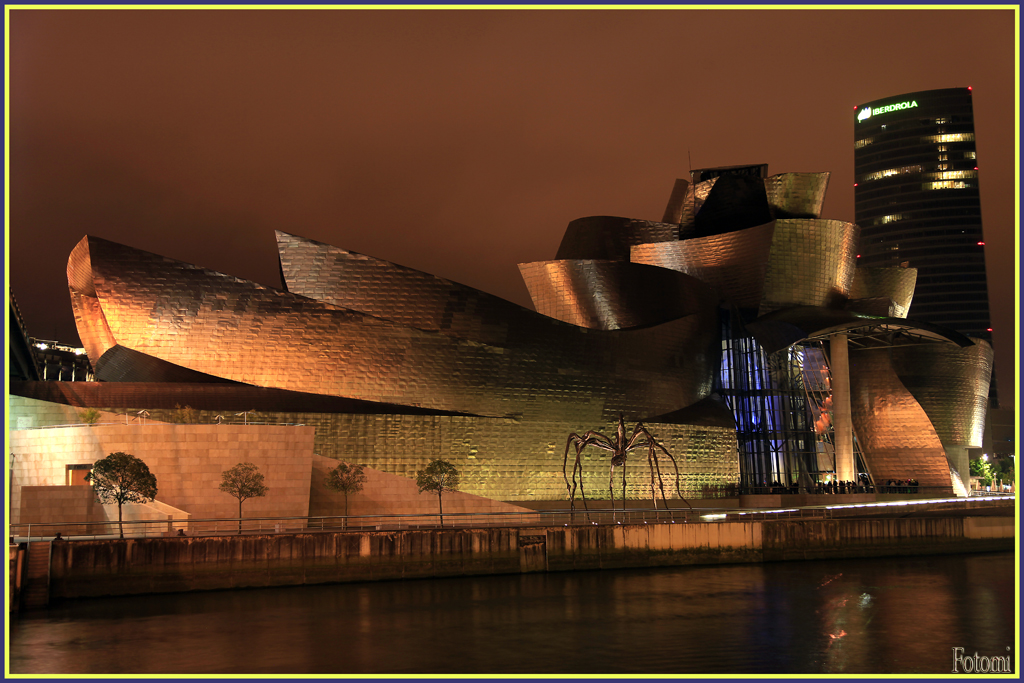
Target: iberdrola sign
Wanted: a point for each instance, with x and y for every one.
(867, 112)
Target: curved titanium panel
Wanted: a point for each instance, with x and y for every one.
(120, 364)
(612, 295)
(788, 262)
(610, 237)
(681, 203)
(812, 262)
(701, 191)
(238, 330)
(951, 384)
(895, 435)
(392, 292)
(896, 284)
(734, 263)
(92, 325)
(796, 195)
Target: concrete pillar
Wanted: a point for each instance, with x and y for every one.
(842, 420)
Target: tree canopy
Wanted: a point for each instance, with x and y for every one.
(347, 479)
(243, 481)
(437, 477)
(122, 478)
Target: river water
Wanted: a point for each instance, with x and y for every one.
(889, 615)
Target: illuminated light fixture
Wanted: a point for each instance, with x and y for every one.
(858, 255)
(975, 168)
(989, 329)
(855, 184)
(981, 244)
(970, 88)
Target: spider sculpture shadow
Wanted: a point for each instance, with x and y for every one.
(619, 448)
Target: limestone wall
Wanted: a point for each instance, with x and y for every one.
(78, 512)
(389, 494)
(76, 505)
(30, 413)
(186, 459)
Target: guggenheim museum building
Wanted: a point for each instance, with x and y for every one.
(739, 329)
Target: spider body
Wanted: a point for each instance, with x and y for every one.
(620, 448)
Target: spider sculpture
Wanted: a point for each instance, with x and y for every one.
(619, 447)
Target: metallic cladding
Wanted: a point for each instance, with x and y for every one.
(241, 331)
(787, 262)
(388, 291)
(796, 195)
(951, 384)
(896, 438)
(811, 263)
(612, 295)
(896, 284)
(733, 263)
(680, 205)
(610, 237)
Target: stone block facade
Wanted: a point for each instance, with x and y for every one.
(385, 493)
(187, 461)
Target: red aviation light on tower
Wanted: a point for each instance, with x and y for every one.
(981, 244)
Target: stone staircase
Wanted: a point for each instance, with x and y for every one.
(35, 590)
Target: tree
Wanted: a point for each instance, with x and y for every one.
(439, 476)
(243, 481)
(347, 479)
(981, 468)
(122, 478)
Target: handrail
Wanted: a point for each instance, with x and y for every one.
(396, 521)
(159, 423)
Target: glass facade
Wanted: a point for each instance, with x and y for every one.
(917, 201)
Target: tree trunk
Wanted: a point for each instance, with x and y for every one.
(440, 509)
(239, 515)
(120, 524)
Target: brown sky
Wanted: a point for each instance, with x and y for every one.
(456, 142)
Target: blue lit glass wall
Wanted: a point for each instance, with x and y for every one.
(782, 404)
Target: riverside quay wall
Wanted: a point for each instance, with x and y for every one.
(90, 568)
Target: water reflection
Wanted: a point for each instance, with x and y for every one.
(895, 615)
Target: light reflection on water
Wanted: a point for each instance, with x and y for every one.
(892, 615)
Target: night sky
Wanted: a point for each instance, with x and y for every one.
(456, 142)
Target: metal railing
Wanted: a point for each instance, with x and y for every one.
(463, 520)
(158, 423)
(846, 490)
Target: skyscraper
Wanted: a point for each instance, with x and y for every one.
(917, 202)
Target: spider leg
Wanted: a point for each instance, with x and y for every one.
(674, 464)
(590, 438)
(565, 458)
(653, 455)
(623, 486)
(579, 465)
(611, 493)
